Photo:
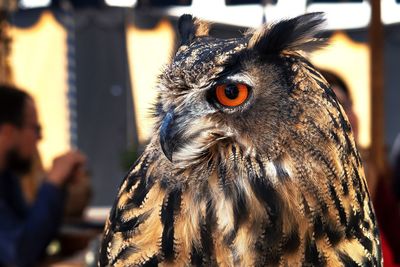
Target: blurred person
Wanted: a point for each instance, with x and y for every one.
(26, 230)
(385, 205)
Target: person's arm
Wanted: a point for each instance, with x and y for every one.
(23, 242)
(42, 224)
(9, 232)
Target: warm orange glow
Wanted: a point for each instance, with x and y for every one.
(39, 61)
(148, 52)
(350, 60)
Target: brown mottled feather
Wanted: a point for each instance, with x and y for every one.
(278, 182)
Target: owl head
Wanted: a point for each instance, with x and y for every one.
(251, 91)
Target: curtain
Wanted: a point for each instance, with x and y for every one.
(148, 52)
(38, 59)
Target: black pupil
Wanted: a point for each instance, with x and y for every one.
(231, 91)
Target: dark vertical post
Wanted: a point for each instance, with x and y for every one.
(376, 35)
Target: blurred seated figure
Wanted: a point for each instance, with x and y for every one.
(386, 207)
(78, 189)
(27, 228)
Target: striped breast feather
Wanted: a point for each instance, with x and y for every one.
(134, 228)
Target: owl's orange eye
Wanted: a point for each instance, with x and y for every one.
(232, 95)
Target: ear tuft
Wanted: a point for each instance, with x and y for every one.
(186, 28)
(293, 34)
(189, 28)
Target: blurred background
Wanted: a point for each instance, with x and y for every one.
(92, 66)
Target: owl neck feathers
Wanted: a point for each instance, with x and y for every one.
(246, 193)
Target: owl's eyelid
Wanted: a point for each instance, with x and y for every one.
(236, 78)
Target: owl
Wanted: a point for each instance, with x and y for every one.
(252, 161)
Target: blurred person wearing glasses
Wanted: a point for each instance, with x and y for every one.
(27, 228)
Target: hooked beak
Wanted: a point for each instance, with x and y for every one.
(169, 139)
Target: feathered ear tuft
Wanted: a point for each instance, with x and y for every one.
(189, 28)
(293, 34)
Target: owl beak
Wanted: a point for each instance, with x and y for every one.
(168, 136)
